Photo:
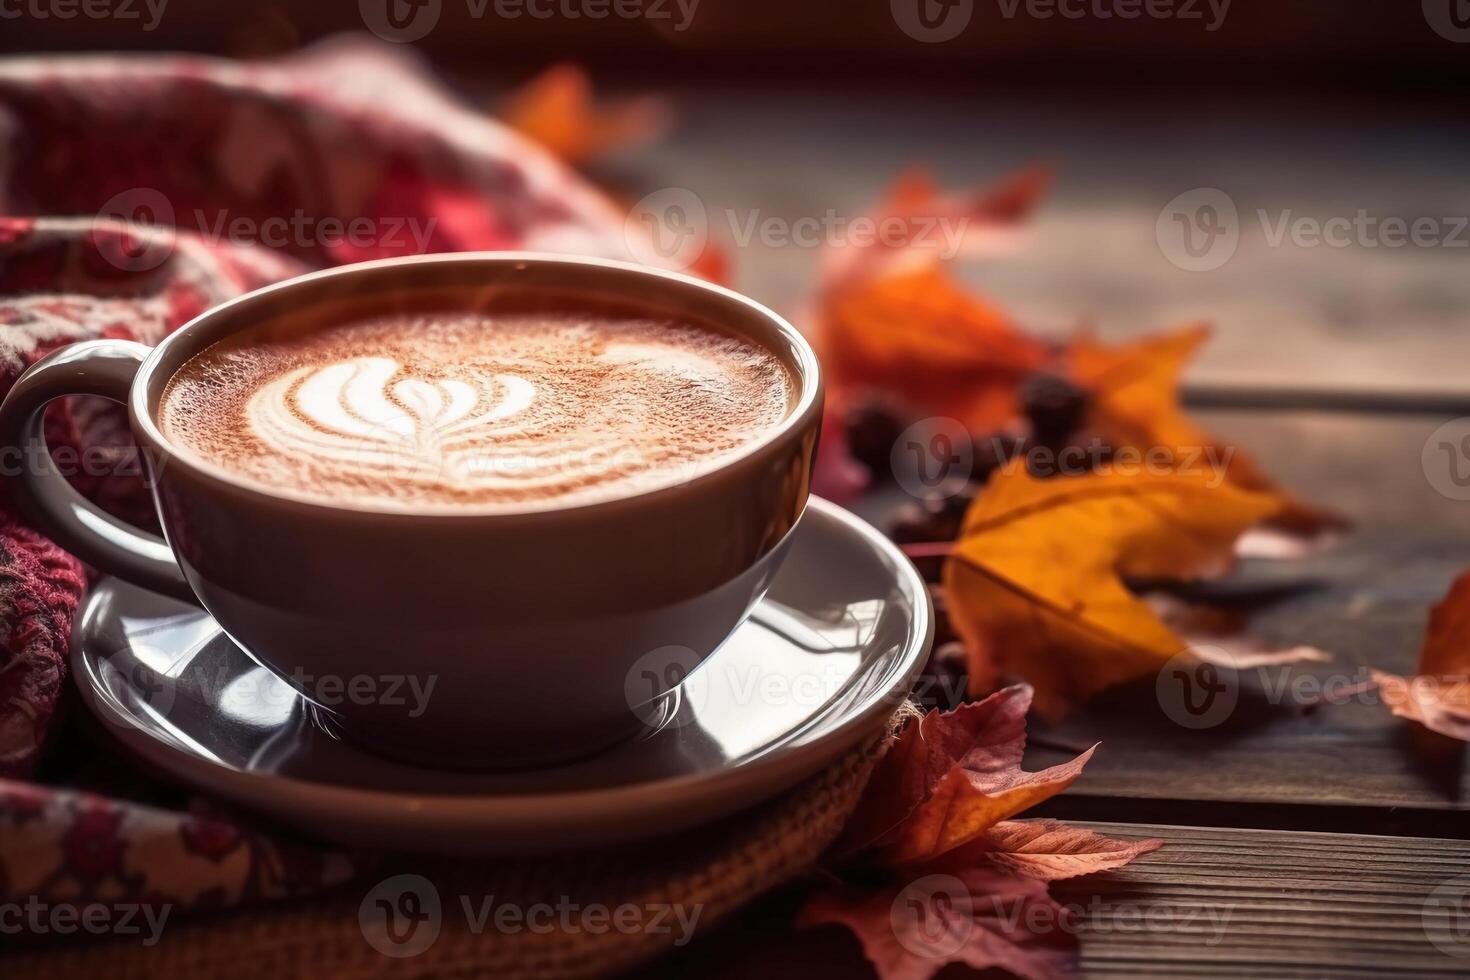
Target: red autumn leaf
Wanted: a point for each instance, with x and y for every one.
(950, 778)
(980, 917)
(1438, 696)
(1048, 849)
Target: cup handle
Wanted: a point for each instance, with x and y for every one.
(42, 493)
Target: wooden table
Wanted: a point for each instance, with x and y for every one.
(1299, 840)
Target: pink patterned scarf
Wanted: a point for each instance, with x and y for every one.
(248, 173)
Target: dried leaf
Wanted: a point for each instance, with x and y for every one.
(949, 779)
(980, 917)
(1048, 849)
(921, 337)
(1135, 404)
(1438, 696)
(557, 110)
(1034, 580)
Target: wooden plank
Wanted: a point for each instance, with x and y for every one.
(1210, 903)
(1353, 760)
(1274, 760)
(1364, 316)
(1218, 902)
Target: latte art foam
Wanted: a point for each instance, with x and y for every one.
(460, 410)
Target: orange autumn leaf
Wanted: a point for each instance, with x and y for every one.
(949, 779)
(921, 337)
(557, 110)
(1438, 696)
(1134, 390)
(1035, 579)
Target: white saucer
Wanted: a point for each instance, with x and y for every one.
(826, 657)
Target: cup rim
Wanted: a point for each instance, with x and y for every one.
(805, 372)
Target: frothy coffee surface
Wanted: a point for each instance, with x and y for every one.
(443, 410)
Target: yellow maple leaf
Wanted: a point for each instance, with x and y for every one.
(1035, 580)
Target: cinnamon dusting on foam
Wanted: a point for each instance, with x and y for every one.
(475, 409)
